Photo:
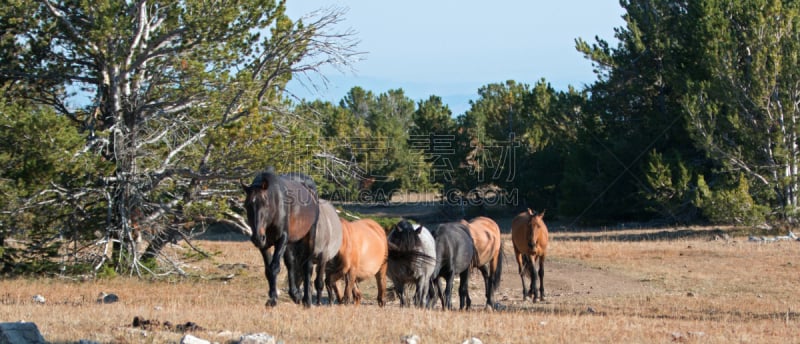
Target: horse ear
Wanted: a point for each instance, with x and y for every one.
(530, 212)
(418, 229)
(244, 186)
(542, 213)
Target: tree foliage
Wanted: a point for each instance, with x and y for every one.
(694, 88)
(180, 103)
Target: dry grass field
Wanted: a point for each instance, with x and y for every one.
(637, 286)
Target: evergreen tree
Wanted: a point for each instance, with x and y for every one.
(433, 134)
(744, 109)
(42, 169)
(634, 110)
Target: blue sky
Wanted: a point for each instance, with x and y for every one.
(452, 48)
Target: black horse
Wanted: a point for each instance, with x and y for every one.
(282, 211)
(455, 252)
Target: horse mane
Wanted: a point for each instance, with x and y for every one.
(267, 176)
(303, 179)
(405, 237)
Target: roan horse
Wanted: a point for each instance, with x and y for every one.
(529, 234)
(363, 254)
(489, 248)
(283, 211)
(326, 242)
(412, 259)
(454, 255)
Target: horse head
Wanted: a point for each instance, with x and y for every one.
(405, 235)
(258, 207)
(536, 224)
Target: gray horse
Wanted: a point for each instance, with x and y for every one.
(326, 241)
(412, 258)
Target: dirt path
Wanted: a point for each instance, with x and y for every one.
(568, 285)
(565, 280)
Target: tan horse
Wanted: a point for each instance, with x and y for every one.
(488, 253)
(363, 253)
(529, 234)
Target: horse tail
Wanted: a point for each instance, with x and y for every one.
(499, 269)
(333, 265)
(476, 259)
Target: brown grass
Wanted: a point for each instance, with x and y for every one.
(599, 288)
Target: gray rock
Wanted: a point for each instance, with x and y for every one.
(190, 339)
(472, 340)
(39, 299)
(409, 339)
(257, 338)
(20, 332)
(107, 298)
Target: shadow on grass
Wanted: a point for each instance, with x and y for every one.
(685, 315)
(641, 235)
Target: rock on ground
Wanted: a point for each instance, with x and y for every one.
(20, 332)
(258, 338)
(190, 339)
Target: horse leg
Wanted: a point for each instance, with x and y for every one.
(267, 257)
(318, 281)
(421, 294)
(380, 280)
(349, 286)
(487, 282)
(400, 290)
(448, 291)
(308, 270)
(334, 286)
(534, 279)
(463, 290)
(433, 292)
(356, 293)
(290, 260)
(541, 278)
(521, 268)
(274, 268)
(330, 286)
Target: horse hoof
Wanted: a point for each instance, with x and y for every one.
(271, 303)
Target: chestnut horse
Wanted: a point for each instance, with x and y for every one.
(489, 253)
(282, 211)
(529, 234)
(363, 253)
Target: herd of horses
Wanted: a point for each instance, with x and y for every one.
(290, 222)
